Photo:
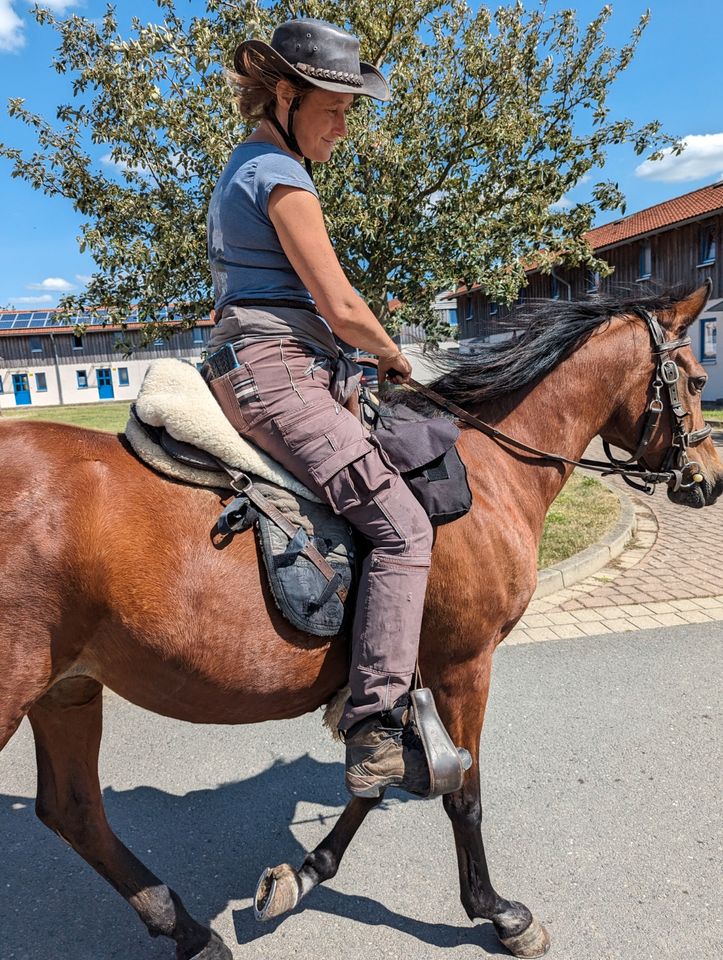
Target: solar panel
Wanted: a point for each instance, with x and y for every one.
(22, 321)
(5, 324)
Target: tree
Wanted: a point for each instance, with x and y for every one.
(493, 118)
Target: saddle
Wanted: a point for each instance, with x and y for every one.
(309, 553)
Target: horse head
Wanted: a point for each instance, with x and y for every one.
(660, 418)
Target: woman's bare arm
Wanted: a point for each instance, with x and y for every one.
(299, 223)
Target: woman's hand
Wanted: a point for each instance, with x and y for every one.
(394, 367)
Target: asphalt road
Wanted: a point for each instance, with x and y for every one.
(601, 779)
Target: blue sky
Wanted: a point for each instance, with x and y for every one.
(674, 78)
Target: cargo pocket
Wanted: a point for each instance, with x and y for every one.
(238, 396)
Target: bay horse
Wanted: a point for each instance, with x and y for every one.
(110, 577)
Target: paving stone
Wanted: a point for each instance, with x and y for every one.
(540, 633)
(567, 631)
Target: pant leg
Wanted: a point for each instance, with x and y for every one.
(287, 410)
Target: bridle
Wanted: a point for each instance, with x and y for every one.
(677, 469)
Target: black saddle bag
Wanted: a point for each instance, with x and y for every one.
(424, 452)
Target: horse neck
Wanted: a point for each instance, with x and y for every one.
(561, 413)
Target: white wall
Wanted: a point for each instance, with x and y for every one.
(714, 387)
(71, 392)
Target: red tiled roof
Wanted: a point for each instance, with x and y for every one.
(690, 206)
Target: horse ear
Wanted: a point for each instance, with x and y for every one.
(686, 311)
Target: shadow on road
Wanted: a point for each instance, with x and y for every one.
(209, 845)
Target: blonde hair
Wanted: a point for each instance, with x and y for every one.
(254, 89)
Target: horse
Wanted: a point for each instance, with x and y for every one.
(111, 577)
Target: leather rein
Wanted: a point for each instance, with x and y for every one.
(633, 470)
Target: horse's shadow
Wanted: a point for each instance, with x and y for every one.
(204, 844)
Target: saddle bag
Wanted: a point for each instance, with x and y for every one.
(423, 450)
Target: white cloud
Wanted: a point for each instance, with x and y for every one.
(45, 298)
(12, 37)
(11, 28)
(52, 283)
(82, 278)
(702, 157)
(564, 203)
(57, 6)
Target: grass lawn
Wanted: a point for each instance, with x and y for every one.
(102, 416)
(581, 514)
(713, 413)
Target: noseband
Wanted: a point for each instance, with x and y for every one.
(677, 469)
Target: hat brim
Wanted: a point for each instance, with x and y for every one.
(373, 85)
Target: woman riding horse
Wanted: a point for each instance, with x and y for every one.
(281, 296)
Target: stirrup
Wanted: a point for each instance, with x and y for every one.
(447, 763)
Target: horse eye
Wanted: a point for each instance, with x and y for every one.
(697, 384)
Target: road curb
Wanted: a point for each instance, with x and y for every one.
(594, 558)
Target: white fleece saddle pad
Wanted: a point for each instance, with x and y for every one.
(175, 396)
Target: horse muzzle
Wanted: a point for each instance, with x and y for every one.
(703, 494)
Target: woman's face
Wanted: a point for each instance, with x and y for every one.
(319, 122)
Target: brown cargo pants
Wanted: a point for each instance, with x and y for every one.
(281, 402)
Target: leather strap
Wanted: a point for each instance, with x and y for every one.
(247, 489)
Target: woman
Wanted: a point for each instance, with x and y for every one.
(280, 296)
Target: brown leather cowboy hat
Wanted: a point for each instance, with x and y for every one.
(320, 53)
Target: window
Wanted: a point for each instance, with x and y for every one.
(159, 342)
(707, 246)
(82, 378)
(554, 287)
(122, 376)
(709, 341)
(36, 345)
(197, 335)
(493, 308)
(592, 281)
(41, 383)
(522, 295)
(645, 269)
(77, 341)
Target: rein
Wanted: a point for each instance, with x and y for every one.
(633, 471)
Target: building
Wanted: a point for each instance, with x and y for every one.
(678, 241)
(44, 363)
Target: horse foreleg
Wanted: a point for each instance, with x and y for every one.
(461, 703)
(281, 888)
(67, 724)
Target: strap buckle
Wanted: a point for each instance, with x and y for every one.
(669, 372)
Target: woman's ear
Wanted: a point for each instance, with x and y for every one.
(285, 93)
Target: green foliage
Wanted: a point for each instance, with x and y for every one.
(494, 116)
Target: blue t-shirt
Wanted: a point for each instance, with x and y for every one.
(246, 257)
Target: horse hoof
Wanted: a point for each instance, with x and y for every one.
(215, 949)
(532, 942)
(278, 891)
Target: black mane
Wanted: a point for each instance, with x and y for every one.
(551, 330)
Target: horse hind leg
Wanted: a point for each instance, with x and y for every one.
(281, 888)
(67, 724)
